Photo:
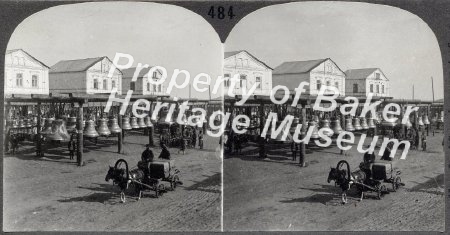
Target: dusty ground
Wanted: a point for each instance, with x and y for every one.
(275, 194)
(52, 193)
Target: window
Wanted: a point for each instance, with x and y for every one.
(19, 80)
(105, 84)
(378, 88)
(154, 88)
(34, 81)
(318, 85)
(371, 88)
(355, 88)
(241, 63)
(336, 84)
(382, 89)
(328, 83)
(227, 80)
(148, 86)
(246, 63)
(243, 81)
(258, 81)
(96, 84)
(113, 84)
(377, 75)
(154, 75)
(132, 86)
(159, 88)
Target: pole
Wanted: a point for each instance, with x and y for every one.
(432, 87)
(38, 131)
(302, 154)
(80, 135)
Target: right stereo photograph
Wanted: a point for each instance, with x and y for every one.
(336, 120)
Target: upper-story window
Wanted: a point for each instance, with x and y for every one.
(160, 88)
(378, 88)
(227, 80)
(336, 84)
(371, 88)
(154, 88)
(258, 81)
(132, 86)
(154, 75)
(95, 83)
(34, 81)
(105, 84)
(328, 83)
(246, 63)
(19, 80)
(355, 88)
(377, 75)
(243, 81)
(382, 89)
(318, 85)
(148, 86)
(240, 62)
(113, 84)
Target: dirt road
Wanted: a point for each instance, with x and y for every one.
(52, 193)
(275, 194)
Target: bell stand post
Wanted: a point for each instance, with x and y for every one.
(80, 133)
(121, 134)
(38, 131)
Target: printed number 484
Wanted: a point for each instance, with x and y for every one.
(220, 12)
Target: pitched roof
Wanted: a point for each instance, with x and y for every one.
(359, 73)
(128, 73)
(232, 53)
(293, 67)
(75, 65)
(14, 50)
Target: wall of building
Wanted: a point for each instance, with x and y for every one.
(328, 74)
(362, 88)
(152, 89)
(244, 64)
(380, 82)
(74, 82)
(18, 62)
(99, 72)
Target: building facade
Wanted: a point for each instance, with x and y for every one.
(142, 85)
(250, 70)
(362, 82)
(86, 76)
(315, 72)
(24, 74)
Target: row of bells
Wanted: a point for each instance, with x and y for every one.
(24, 123)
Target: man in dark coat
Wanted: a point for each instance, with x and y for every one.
(147, 155)
(165, 154)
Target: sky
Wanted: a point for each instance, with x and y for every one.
(154, 34)
(353, 35)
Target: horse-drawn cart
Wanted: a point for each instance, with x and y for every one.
(147, 176)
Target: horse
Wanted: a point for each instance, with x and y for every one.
(120, 177)
(345, 179)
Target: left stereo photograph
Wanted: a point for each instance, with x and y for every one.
(112, 120)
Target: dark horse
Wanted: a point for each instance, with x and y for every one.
(345, 179)
(120, 177)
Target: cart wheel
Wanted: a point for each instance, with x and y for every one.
(161, 189)
(122, 197)
(173, 182)
(156, 190)
(383, 189)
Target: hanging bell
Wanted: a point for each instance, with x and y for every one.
(59, 131)
(408, 123)
(389, 122)
(27, 123)
(103, 129)
(420, 121)
(89, 130)
(14, 123)
(426, 121)
(348, 124)
(21, 123)
(114, 126)
(316, 119)
(364, 124)
(141, 123)
(148, 121)
(326, 128)
(133, 123)
(35, 121)
(434, 119)
(370, 123)
(71, 123)
(336, 124)
(356, 124)
(126, 123)
(47, 126)
(315, 133)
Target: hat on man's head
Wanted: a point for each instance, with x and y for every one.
(148, 146)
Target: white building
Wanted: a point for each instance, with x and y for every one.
(86, 76)
(142, 85)
(24, 74)
(250, 70)
(362, 82)
(315, 72)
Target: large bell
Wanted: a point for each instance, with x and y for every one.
(21, 123)
(434, 118)
(103, 129)
(126, 123)
(356, 124)
(388, 123)
(408, 123)
(370, 123)
(59, 131)
(336, 124)
(426, 121)
(141, 123)
(48, 126)
(148, 121)
(420, 122)
(71, 123)
(315, 133)
(326, 128)
(114, 126)
(34, 121)
(348, 124)
(364, 124)
(27, 122)
(133, 123)
(89, 130)
(14, 123)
